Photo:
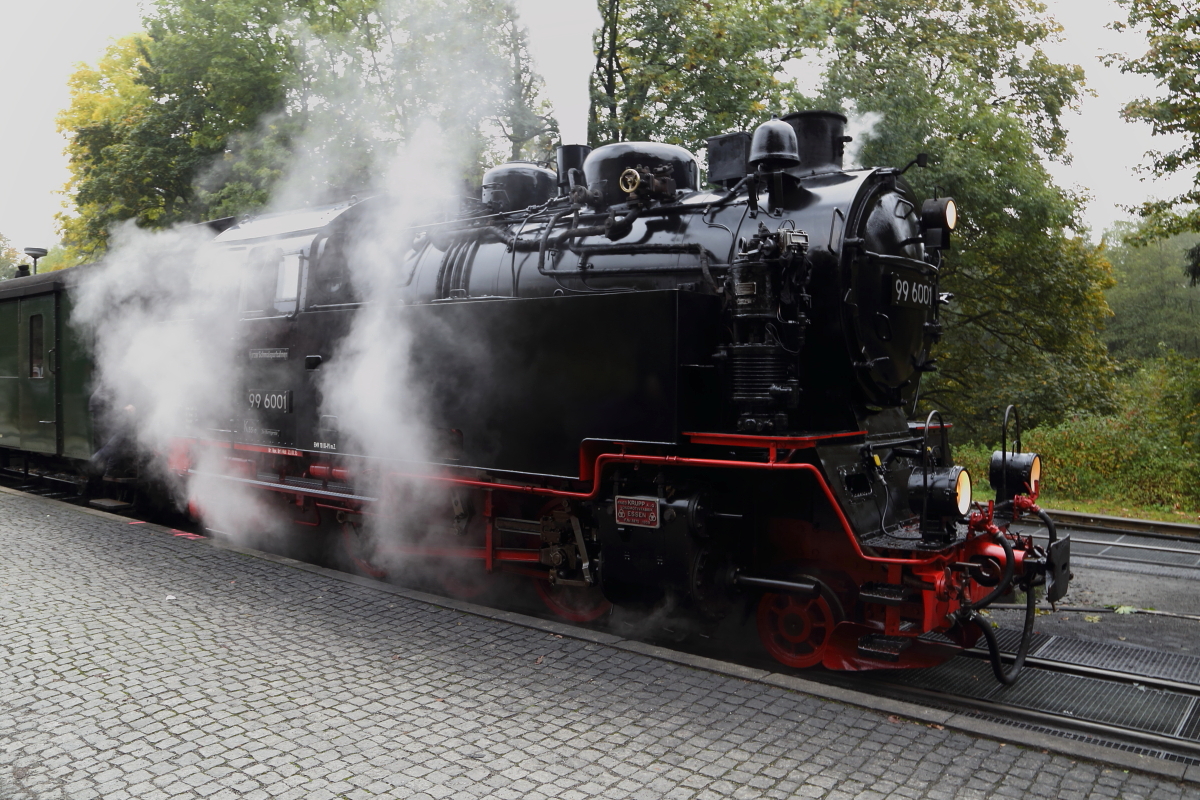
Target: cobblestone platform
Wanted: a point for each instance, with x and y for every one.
(138, 664)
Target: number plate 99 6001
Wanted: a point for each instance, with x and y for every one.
(279, 402)
(910, 291)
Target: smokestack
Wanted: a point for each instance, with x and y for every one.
(822, 139)
(571, 157)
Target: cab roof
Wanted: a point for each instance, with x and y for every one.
(283, 223)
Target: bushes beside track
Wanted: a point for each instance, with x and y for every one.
(1146, 455)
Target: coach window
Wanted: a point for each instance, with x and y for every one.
(37, 352)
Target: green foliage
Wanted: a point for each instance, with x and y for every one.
(976, 457)
(1172, 28)
(1146, 454)
(1177, 379)
(1152, 303)
(10, 257)
(670, 71)
(968, 83)
(1095, 457)
(205, 114)
(59, 257)
(113, 155)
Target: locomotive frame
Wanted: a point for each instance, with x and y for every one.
(636, 391)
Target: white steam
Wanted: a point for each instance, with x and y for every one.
(366, 385)
(861, 127)
(560, 41)
(160, 311)
(162, 308)
(151, 310)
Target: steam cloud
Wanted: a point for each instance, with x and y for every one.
(161, 307)
(860, 127)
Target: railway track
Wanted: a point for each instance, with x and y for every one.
(1124, 540)
(1076, 520)
(1117, 695)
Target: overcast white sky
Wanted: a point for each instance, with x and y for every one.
(44, 40)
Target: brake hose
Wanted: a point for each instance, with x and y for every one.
(1005, 581)
(1008, 677)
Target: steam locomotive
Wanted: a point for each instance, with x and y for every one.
(636, 390)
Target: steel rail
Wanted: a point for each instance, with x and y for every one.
(1099, 523)
(1102, 730)
(1129, 546)
(1085, 671)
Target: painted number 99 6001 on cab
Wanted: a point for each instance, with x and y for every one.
(910, 291)
(279, 402)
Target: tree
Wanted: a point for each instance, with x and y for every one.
(669, 71)
(521, 118)
(110, 154)
(9, 258)
(1172, 29)
(1152, 304)
(969, 83)
(224, 106)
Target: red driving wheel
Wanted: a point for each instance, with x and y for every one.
(794, 631)
(573, 603)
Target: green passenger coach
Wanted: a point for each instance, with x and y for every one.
(45, 372)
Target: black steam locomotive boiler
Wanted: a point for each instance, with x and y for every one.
(638, 390)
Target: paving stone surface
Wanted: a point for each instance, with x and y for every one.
(137, 664)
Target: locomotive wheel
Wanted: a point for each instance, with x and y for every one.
(573, 603)
(795, 631)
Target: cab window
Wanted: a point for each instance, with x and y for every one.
(271, 281)
(331, 283)
(287, 286)
(259, 280)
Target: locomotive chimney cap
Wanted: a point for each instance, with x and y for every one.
(774, 145)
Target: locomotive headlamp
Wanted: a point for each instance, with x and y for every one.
(939, 213)
(1010, 473)
(948, 493)
(938, 218)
